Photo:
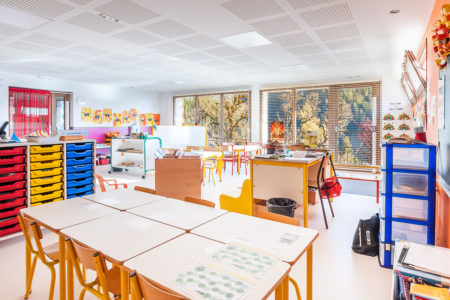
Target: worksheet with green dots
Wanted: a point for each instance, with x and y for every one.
(244, 260)
(209, 283)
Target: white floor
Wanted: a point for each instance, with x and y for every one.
(338, 272)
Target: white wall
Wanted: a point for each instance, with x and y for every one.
(391, 91)
(165, 102)
(97, 96)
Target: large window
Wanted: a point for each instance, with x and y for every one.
(225, 115)
(278, 115)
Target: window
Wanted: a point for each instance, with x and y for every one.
(278, 113)
(60, 111)
(225, 115)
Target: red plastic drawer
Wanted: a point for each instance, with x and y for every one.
(12, 169)
(9, 222)
(12, 203)
(10, 212)
(12, 177)
(12, 195)
(12, 186)
(10, 229)
(12, 151)
(11, 160)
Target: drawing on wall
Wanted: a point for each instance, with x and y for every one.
(404, 117)
(143, 119)
(134, 115)
(156, 119)
(86, 114)
(388, 117)
(405, 136)
(277, 131)
(387, 137)
(117, 119)
(107, 115)
(388, 127)
(97, 119)
(149, 119)
(403, 127)
(125, 117)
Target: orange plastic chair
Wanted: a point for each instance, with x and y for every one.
(109, 182)
(142, 288)
(199, 201)
(145, 190)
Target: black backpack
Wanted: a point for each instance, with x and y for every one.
(365, 240)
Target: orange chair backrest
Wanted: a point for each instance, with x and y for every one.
(277, 218)
(199, 201)
(101, 182)
(145, 190)
(143, 288)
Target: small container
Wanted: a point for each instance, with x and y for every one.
(410, 183)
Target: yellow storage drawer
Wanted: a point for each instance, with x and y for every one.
(46, 188)
(45, 180)
(46, 196)
(45, 157)
(45, 165)
(46, 173)
(45, 202)
(45, 149)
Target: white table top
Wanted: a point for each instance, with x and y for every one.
(248, 148)
(178, 213)
(261, 234)
(162, 264)
(61, 214)
(122, 236)
(122, 199)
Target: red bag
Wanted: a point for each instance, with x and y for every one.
(333, 187)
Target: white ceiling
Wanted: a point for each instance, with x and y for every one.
(173, 45)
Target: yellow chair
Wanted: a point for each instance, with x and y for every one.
(108, 280)
(286, 220)
(142, 288)
(30, 230)
(242, 204)
(210, 163)
(199, 201)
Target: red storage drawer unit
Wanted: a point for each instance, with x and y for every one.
(10, 212)
(12, 186)
(12, 177)
(12, 203)
(12, 195)
(9, 229)
(11, 160)
(9, 222)
(12, 169)
(12, 151)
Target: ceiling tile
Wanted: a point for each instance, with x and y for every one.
(255, 65)
(294, 39)
(29, 47)
(9, 30)
(241, 59)
(276, 26)
(329, 15)
(223, 51)
(315, 58)
(351, 54)
(216, 63)
(252, 9)
(128, 11)
(94, 22)
(355, 43)
(321, 65)
(137, 37)
(355, 61)
(44, 8)
(82, 2)
(87, 50)
(170, 48)
(199, 41)
(338, 32)
(194, 56)
(46, 40)
(101, 62)
(169, 29)
(69, 55)
(298, 4)
(306, 50)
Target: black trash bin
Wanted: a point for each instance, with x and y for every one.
(282, 206)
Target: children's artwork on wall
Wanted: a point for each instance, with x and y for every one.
(403, 127)
(277, 131)
(117, 119)
(143, 119)
(86, 114)
(388, 127)
(388, 117)
(125, 117)
(404, 136)
(134, 115)
(107, 115)
(387, 137)
(156, 119)
(404, 117)
(97, 119)
(149, 119)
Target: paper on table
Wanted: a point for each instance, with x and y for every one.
(110, 201)
(91, 206)
(280, 242)
(429, 259)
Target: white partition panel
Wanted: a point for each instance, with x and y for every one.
(181, 136)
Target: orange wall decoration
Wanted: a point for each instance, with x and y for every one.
(97, 119)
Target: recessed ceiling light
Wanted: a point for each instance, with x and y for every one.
(246, 40)
(394, 11)
(21, 19)
(109, 18)
(294, 68)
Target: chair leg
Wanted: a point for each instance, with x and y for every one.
(297, 289)
(83, 292)
(323, 210)
(52, 283)
(329, 202)
(30, 277)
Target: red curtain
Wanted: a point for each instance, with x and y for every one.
(29, 110)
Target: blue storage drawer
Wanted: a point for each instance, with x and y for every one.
(79, 175)
(79, 146)
(77, 154)
(78, 190)
(80, 168)
(79, 161)
(79, 182)
(80, 194)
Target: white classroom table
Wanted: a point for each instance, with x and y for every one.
(178, 213)
(58, 215)
(122, 199)
(264, 235)
(163, 263)
(122, 236)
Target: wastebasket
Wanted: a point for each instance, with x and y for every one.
(282, 206)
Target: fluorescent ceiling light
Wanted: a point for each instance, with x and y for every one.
(21, 19)
(246, 40)
(294, 68)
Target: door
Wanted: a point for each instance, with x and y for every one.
(61, 112)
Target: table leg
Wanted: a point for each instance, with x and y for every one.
(27, 264)
(239, 163)
(124, 284)
(62, 268)
(279, 291)
(220, 169)
(70, 292)
(305, 196)
(286, 288)
(309, 273)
